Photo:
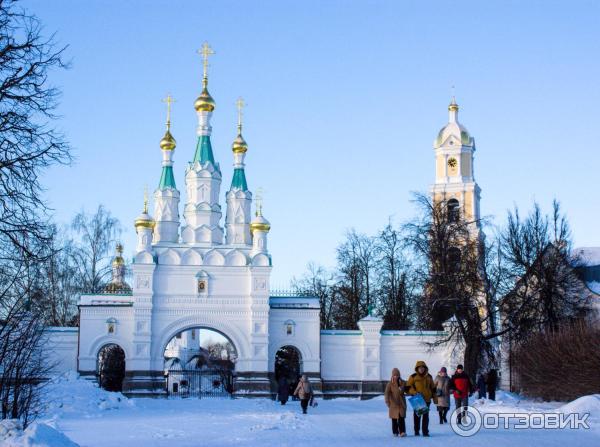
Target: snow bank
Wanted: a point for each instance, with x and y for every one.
(42, 435)
(36, 435)
(70, 394)
(586, 404)
(9, 430)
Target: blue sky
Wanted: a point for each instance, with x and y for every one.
(344, 101)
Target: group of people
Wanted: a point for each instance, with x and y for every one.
(436, 390)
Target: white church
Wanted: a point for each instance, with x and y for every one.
(197, 271)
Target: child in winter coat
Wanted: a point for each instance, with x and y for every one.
(396, 403)
(442, 391)
(304, 392)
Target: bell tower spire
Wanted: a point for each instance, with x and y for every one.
(203, 175)
(166, 196)
(239, 198)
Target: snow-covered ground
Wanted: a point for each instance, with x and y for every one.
(91, 417)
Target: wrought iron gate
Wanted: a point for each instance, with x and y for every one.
(200, 383)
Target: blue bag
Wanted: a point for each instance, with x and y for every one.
(418, 404)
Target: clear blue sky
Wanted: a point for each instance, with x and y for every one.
(344, 101)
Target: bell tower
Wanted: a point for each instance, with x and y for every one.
(454, 170)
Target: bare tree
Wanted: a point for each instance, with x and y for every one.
(96, 235)
(396, 283)
(58, 277)
(546, 292)
(452, 278)
(28, 141)
(316, 281)
(352, 291)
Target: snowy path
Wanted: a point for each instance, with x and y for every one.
(341, 422)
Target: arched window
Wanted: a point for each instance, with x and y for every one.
(453, 210)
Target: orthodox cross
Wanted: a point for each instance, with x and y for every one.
(240, 105)
(206, 51)
(169, 100)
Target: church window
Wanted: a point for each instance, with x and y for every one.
(201, 286)
(453, 210)
(193, 334)
(178, 335)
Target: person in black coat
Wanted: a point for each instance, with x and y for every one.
(283, 390)
(492, 384)
(481, 386)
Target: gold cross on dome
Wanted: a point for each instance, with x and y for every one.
(206, 51)
(240, 105)
(259, 200)
(169, 100)
(146, 199)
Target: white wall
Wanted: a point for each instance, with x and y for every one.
(342, 354)
(60, 348)
(402, 350)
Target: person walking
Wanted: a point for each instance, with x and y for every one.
(421, 382)
(492, 384)
(442, 392)
(283, 390)
(481, 387)
(396, 403)
(462, 388)
(304, 392)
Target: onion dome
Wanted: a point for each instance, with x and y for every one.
(119, 258)
(204, 102)
(117, 284)
(239, 145)
(144, 220)
(259, 223)
(168, 143)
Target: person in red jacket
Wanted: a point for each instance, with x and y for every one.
(462, 388)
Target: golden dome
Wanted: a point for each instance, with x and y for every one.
(453, 106)
(168, 143)
(144, 221)
(239, 144)
(259, 223)
(204, 102)
(119, 258)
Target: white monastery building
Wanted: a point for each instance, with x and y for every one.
(205, 270)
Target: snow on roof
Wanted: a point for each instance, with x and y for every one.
(589, 256)
(286, 302)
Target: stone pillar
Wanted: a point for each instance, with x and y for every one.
(141, 376)
(252, 374)
(371, 384)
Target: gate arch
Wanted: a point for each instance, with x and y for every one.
(230, 332)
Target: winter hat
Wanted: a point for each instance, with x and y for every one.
(459, 367)
(421, 363)
(443, 369)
